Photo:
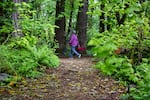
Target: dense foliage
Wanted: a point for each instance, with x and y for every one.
(33, 50)
(123, 51)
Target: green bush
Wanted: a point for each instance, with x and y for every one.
(29, 54)
(130, 67)
(26, 62)
(45, 56)
(5, 65)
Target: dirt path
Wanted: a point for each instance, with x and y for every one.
(75, 79)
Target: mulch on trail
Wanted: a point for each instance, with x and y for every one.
(74, 79)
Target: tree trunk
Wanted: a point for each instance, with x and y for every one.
(121, 20)
(101, 22)
(71, 14)
(82, 23)
(15, 17)
(60, 22)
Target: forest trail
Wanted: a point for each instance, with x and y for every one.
(74, 79)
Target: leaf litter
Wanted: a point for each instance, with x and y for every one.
(74, 79)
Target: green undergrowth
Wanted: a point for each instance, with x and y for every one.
(26, 61)
(131, 65)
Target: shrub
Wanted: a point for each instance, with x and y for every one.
(132, 67)
(26, 61)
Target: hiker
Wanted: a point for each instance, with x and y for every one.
(73, 42)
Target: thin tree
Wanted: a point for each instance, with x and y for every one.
(15, 17)
(121, 18)
(102, 18)
(71, 14)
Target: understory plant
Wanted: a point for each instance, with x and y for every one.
(29, 54)
(123, 53)
(20, 58)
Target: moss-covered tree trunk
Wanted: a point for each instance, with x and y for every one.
(15, 17)
(101, 18)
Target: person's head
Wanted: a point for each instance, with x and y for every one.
(73, 32)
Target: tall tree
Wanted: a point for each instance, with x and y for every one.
(60, 22)
(15, 17)
(82, 23)
(71, 14)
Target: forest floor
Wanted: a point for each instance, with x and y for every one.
(74, 79)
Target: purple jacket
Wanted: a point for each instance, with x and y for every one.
(73, 40)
